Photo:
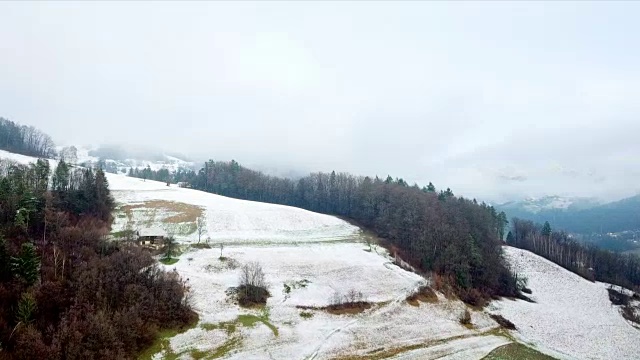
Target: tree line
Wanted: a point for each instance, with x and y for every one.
(25, 140)
(586, 260)
(66, 292)
(457, 238)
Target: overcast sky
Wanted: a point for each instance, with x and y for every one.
(496, 100)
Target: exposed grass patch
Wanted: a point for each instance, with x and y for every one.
(306, 314)
(162, 343)
(347, 308)
(183, 213)
(218, 352)
(198, 354)
(229, 326)
(250, 321)
(382, 353)
(247, 320)
(201, 246)
(169, 261)
(516, 351)
(423, 294)
(504, 323)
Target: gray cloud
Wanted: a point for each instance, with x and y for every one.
(495, 100)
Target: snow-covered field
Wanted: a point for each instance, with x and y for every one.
(317, 256)
(326, 269)
(572, 317)
(230, 220)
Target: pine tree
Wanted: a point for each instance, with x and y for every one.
(171, 247)
(60, 181)
(27, 265)
(431, 187)
(502, 224)
(546, 229)
(104, 201)
(26, 309)
(510, 238)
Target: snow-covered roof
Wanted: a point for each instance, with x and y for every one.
(152, 231)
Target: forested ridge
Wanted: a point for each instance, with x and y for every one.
(586, 260)
(457, 238)
(25, 140)
(65, 292)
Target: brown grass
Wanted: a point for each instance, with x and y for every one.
(341, 309)
(184, 213)
(503, 322)
(424, 294)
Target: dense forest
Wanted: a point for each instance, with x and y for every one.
(454, 237)
(65, 292)
(588, 261)
(25, 140)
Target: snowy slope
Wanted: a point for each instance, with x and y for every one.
(328, 268)
(22, 159)
(572, 317)
(232, 220)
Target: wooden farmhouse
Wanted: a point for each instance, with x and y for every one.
(152, 237)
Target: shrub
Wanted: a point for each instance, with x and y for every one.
(306, 314)
(465, 318)
(253, 286)
(201, 246)
(472, 297)
(617, 297)
(422, 294)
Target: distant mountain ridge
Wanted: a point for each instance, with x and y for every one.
(551, 202)
(578, 215)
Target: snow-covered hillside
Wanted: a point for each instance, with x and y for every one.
(572, 317)
(317, 256)
(428, 331)
(228, 220)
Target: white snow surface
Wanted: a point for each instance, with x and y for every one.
(232, 220)
(22, 159)
(572, 317)
(329, 268)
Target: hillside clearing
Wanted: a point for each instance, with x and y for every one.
(572, 318)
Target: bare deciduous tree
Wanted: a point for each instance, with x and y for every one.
(201, 227)
(253, 286)
(252, 275)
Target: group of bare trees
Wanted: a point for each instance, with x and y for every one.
(586, 260)
(253, 285)
(25, 140)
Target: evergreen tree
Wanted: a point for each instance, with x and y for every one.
(546, 229)
(171, 248)
(27, 265)
(104, 201)
(502, 224)
(26, 309)
(510, 238)
(60, 180)
(431, 188)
